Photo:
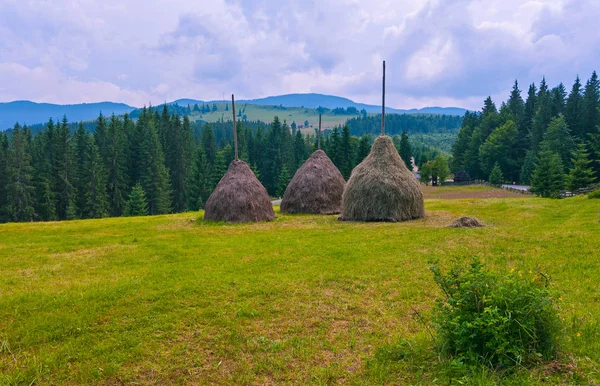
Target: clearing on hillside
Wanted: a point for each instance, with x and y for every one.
(303, 299)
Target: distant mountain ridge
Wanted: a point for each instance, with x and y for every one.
(312, 100)
(31, 113)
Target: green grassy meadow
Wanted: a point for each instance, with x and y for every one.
(266, 113)
(300, 300)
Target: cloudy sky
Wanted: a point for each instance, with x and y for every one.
(444, 52)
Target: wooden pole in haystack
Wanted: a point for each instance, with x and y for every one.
(234, 129)
(383, 103)
(319, 135)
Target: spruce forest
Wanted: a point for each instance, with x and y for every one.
(550, 140)
(162, 162)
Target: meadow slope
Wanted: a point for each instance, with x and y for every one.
(300, 300)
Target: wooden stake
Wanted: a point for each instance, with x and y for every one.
(319, 135)
(383, 103)
(234, 129)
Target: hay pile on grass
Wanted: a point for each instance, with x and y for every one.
(239, 197)
(381, 188)
(316, 188)
(466, 222)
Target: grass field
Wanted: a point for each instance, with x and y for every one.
(289, 114)
(301, 300)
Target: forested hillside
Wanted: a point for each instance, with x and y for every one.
(550, 140)
(159, 163)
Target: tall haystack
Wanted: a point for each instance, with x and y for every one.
(381, 188)
(239, 197)
(316, 188)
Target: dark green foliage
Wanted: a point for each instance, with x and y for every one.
(501, 149)
(501, 321)
(136, 204)
(548, 177)
(154, 176)
(591, 104)
(97, 205)
(574, 110)
(19, 185)
(582, 174)
(496, 177)
(439, 169)
(4, 215)
(200, 185)
(412, 123)
(405, 150)
(115, 164)
(594, 194)
(558, 140)
(282, 181)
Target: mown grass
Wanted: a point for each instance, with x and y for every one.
(300, 300)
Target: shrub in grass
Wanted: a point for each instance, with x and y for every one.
(497, 320)
(594, 194)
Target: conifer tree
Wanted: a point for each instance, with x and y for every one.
(219, 169)
(115, 165)
(299, 149)
(154, 175)
(346, 153)
(20, 189)
(45, 206)
(406, 150)
(4, 215)
(282, 181)
(558, 140)
(209, 143)
(558, 97)
(529, 114)
(63, 172)
(501, 146)
(581, 174)
(136, 204)
(496, 177)
(574, 110)
(80, 184)
(200, 184)
(591, 104)
(543, 115)
(97, 205)
(548, 178)
(363, 149)
(528, 167)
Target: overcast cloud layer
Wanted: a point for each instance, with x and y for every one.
(445, 53)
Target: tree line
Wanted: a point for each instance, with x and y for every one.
(155, 164)
(550, 140)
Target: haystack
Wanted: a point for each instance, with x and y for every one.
(316, 188)
(239, 197)
(381, 188)
(466, 222)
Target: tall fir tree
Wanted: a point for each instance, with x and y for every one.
(115, 165)
(154, 175)
(558, 140)
(97, 205)
(574, 110)
(363, 149)
(4, 213)
(20, 189)
(209, 144)
(137, 203)
(405, 150)
(548, 178)
(200, 184)
(501, 148)
(591, 105)
(63, 172)
(80, 148)
(581, 174)
(543, 115)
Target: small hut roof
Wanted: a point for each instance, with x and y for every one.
(239, 197)
(381, 188)
(317, 187)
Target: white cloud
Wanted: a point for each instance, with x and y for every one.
(438, 52)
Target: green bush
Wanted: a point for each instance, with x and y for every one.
(496, 320)
(594, 194)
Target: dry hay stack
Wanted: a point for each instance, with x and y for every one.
(466, 222)
(316, 188)
(381, 188)
(239, 197)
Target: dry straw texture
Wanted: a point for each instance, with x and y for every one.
(316, 188)
(381, 188)
(466, 222)
(239, 197)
